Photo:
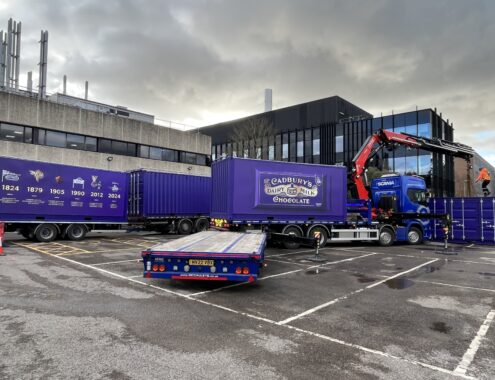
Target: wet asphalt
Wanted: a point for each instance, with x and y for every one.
(82, 310)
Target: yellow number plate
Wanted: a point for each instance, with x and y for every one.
(201, 262)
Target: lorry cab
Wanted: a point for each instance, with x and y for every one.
(397, 194)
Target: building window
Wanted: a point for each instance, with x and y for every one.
(339, 144)
(308, 146)
(271, 148)
(90, 144)
(424, 130)
(75, 141)
(292, 146)
(316, 145)
(40, 136)
(11, 132)
(144, 151)
(28, 135)
(278, 147)
(170, 155)
(57, 139)
(188, 158)
(285, 146)
(300, 146)
(424, 163)
(155, 153)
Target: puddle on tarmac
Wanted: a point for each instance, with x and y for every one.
(362, 278)
(399, 268)
(488, 274)
(441, 327)
(399, 283)
(316, 271)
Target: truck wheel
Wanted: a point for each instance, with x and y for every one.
(291, 230)
(414, 236)
(323, 234)
(387, 237)
(202, 224)
(46, 233)
(76, 232)
(185, 227)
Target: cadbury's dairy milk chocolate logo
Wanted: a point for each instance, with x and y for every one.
(293, 187)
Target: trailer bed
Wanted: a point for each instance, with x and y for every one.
(208, 255)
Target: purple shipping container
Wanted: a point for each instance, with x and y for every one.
(163, 195)
(33, 191)
(256, 191)
(473, 219)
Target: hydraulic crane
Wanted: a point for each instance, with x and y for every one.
(384, 138)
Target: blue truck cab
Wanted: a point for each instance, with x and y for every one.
(397, 194)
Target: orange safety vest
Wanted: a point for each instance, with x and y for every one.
(484, 175)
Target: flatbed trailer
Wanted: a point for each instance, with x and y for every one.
(208, 255)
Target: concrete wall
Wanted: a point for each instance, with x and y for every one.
(23, 110)
(95, 160)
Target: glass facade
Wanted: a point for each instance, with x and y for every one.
(41, 136)
(338, 143)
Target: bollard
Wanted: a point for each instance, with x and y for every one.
(316, 257)
(317, 237)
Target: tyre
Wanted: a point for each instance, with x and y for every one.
(46, 233)
(202, 224)
(323, 234)
(387, 237)
(76, 232)
(292, 230)
(184, 227)
(414, 236)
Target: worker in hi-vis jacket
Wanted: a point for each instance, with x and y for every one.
(484, 177)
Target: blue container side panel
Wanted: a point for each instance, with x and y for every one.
(32, 191)
(160, 195)
(222, 184)
(473, 219)
(248, 190)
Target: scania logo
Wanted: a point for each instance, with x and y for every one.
(386, 183)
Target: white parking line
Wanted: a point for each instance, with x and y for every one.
(452, 260)
(287, 262)
(292, 253)
(117, 262)
(272, 322)
(341, 298)
(285, 273)
(468, 357)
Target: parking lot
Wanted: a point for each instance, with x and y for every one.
(84, 310)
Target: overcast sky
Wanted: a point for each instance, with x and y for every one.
(201, 62)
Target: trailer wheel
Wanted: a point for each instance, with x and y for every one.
(185, 227)
(323, 234)
(202, 224)
(46, 233)
(414, 236)
(292, 230)
(76, 232)
(387, 237)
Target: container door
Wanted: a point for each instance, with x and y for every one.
(488, 219)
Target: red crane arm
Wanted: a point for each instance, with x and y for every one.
(385, 137)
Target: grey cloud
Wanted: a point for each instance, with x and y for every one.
(182, 59)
